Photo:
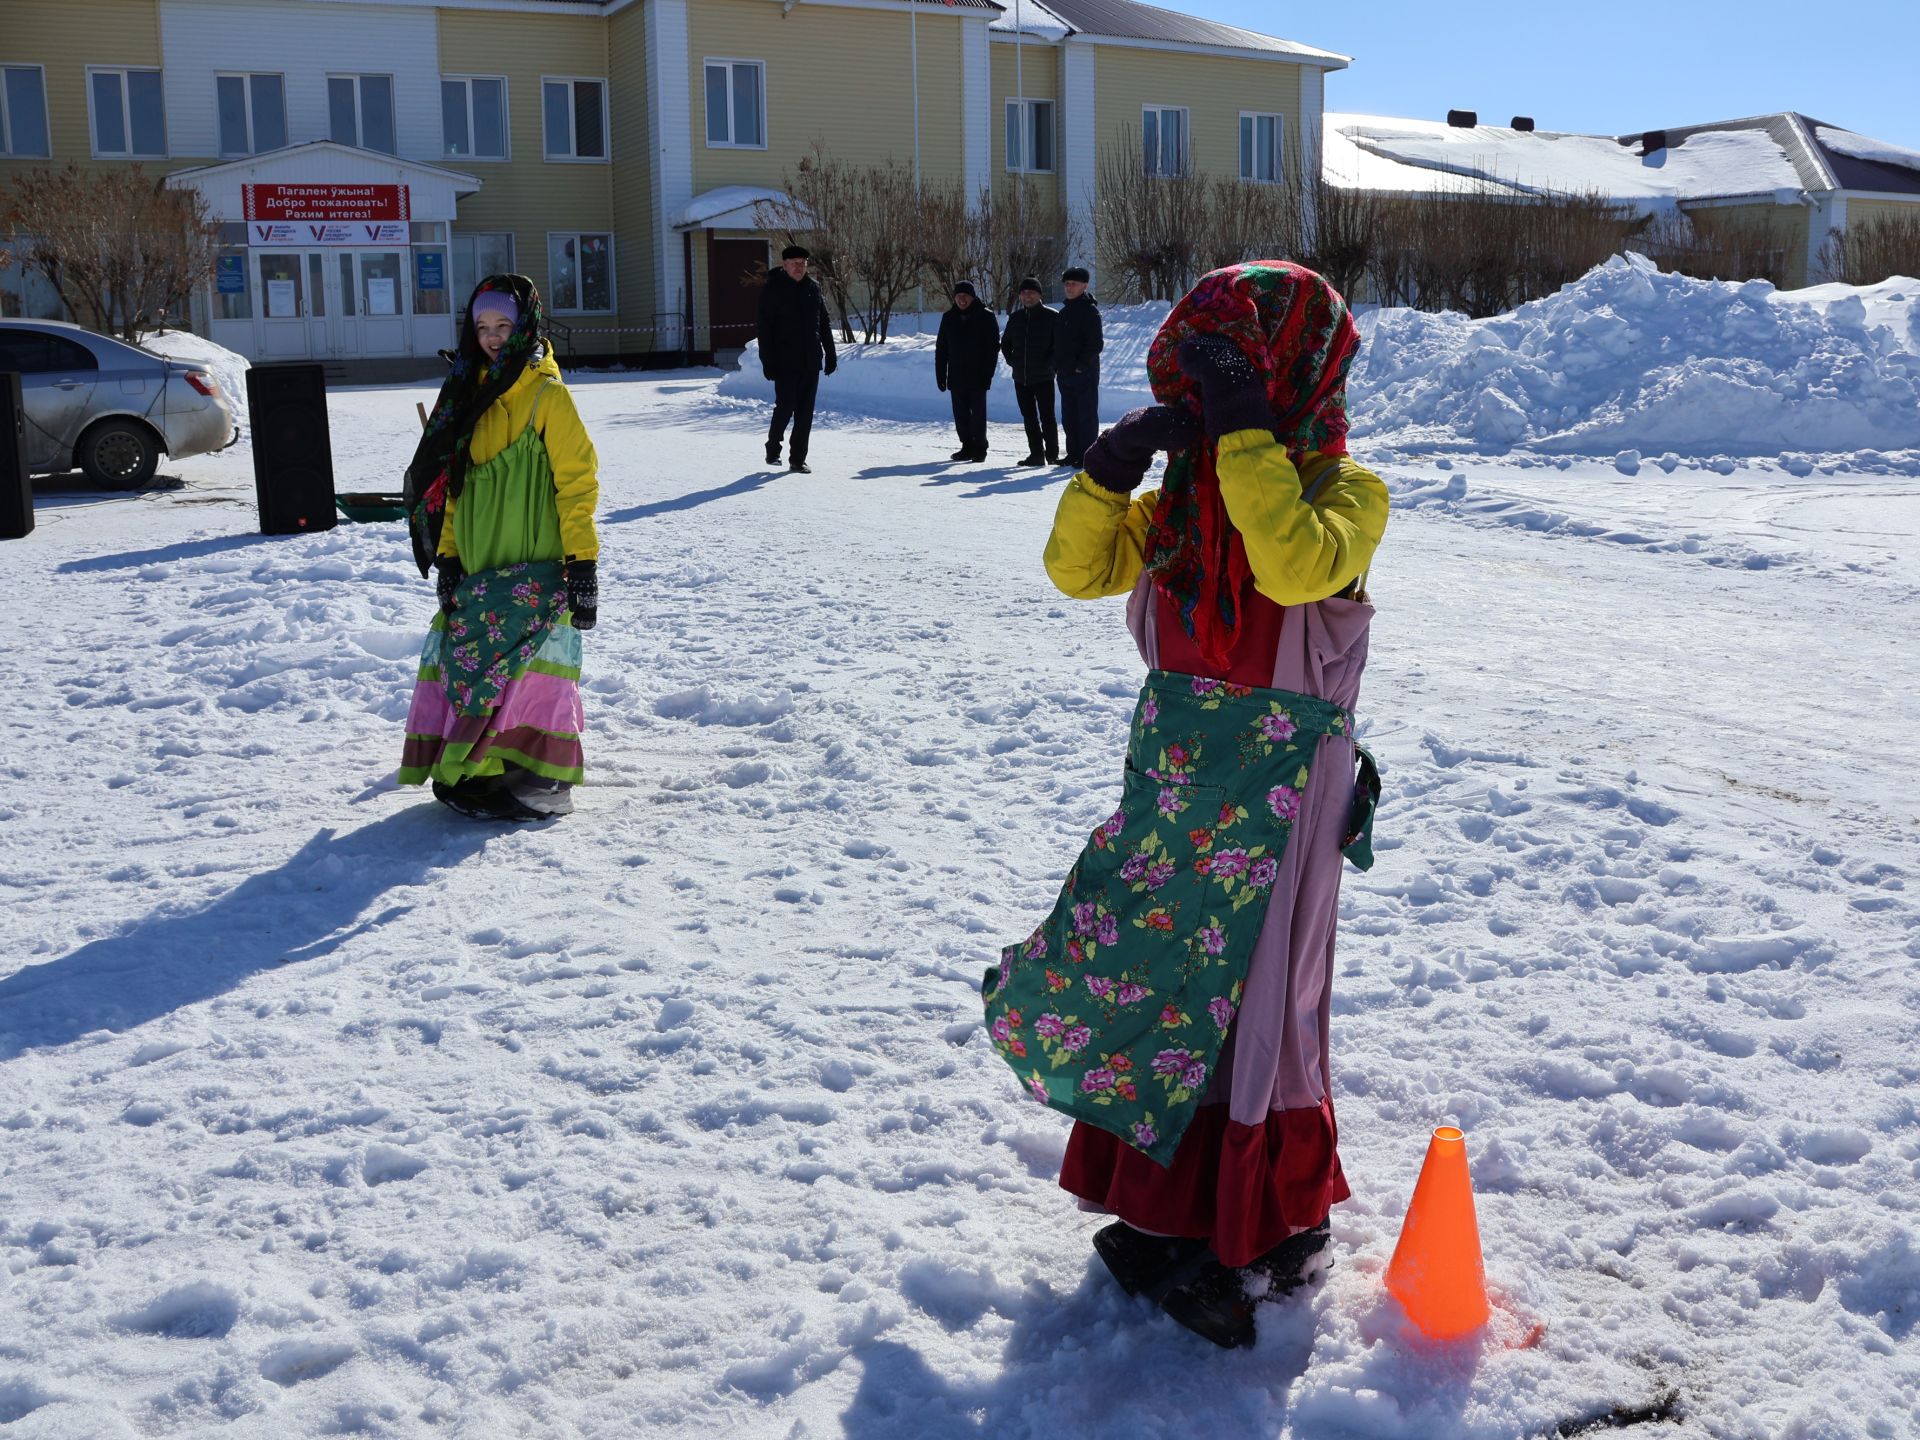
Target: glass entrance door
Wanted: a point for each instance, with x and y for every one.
(382, 302)
(296, 298)
(281, 282)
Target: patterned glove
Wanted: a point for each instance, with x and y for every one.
(1118, 460)
(1230, 388)
(583, 593)
(447, 581)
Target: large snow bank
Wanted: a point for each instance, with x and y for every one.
(1632, 357)
(894, 381)
(1626, 358)
(229, 370)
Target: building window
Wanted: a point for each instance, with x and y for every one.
(1030, 136)
(576, 119)
(23, 111)
(477, 256)
(580, 272)
(1261, 157)
(253, 113)
(129, 115)
(736, 115)
(473, 115)
(1163, 134)
(360, 112)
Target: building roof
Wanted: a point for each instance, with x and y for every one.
(1783, 156)
(1131, 20)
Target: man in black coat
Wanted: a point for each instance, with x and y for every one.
(796, 344)
(1028, 345)
(1076, 357)
(964, 358)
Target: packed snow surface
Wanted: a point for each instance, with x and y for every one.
(1627, 357)
(325, 1112)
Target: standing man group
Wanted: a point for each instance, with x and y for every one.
(1028, 345)
(796, 344)
(965, 355)
(1076, 355)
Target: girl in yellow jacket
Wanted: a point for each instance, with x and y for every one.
(1176, 1002)
(504, 488)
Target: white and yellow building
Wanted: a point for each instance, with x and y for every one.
(368, 162)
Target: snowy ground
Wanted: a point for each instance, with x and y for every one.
(324, 1112)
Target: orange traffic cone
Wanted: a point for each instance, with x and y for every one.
(1436, 1272)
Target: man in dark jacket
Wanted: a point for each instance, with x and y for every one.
(796, 344)
(964, 358)
(1076, 358)
(1029, 346)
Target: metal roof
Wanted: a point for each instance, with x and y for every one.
(1130, 20)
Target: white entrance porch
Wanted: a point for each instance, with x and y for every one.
(329, 252)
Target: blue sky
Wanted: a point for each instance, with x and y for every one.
(1614, 69)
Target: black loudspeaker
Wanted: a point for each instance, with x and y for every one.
(292, 448)
(16, 490)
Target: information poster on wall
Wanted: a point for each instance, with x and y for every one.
(282, 302)
(232, 275)
(380, 296)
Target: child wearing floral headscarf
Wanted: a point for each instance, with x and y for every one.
(501, 498)
(1176, 1002)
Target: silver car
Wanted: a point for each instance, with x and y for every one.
(108, 407)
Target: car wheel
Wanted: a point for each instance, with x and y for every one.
(118, 454)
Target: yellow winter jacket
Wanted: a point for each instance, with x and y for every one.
(1298, 552)
(576, 479)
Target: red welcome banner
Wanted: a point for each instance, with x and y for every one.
(338, 203)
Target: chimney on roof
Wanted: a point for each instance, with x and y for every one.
(1463, 119)
(1523, 122)
(1653, 140)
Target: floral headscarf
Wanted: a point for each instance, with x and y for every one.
(439, 467)
(1297, 331)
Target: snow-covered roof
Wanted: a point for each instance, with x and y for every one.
(727, 207)
(1861, 148)
(1131, 20)
(1375, 152)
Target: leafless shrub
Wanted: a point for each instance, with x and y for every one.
(1710, 245)
(120, 248)
(1878, 250)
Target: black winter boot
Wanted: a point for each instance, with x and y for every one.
(1213, 1304)
(1140, 1261)
(1294, 1262)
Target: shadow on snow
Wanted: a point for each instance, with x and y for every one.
(308, 906)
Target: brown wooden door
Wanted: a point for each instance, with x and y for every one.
(736, 269)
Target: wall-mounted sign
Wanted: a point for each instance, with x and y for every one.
(430, 270)
(322, 232)
(231, 275)
(347, 203)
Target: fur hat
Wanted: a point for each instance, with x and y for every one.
(795, 252)
(1076, 272)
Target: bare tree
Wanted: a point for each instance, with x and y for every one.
(1147, 228)
(866, 228)
(120, 248)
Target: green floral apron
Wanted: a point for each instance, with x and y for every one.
(1115, 1010)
